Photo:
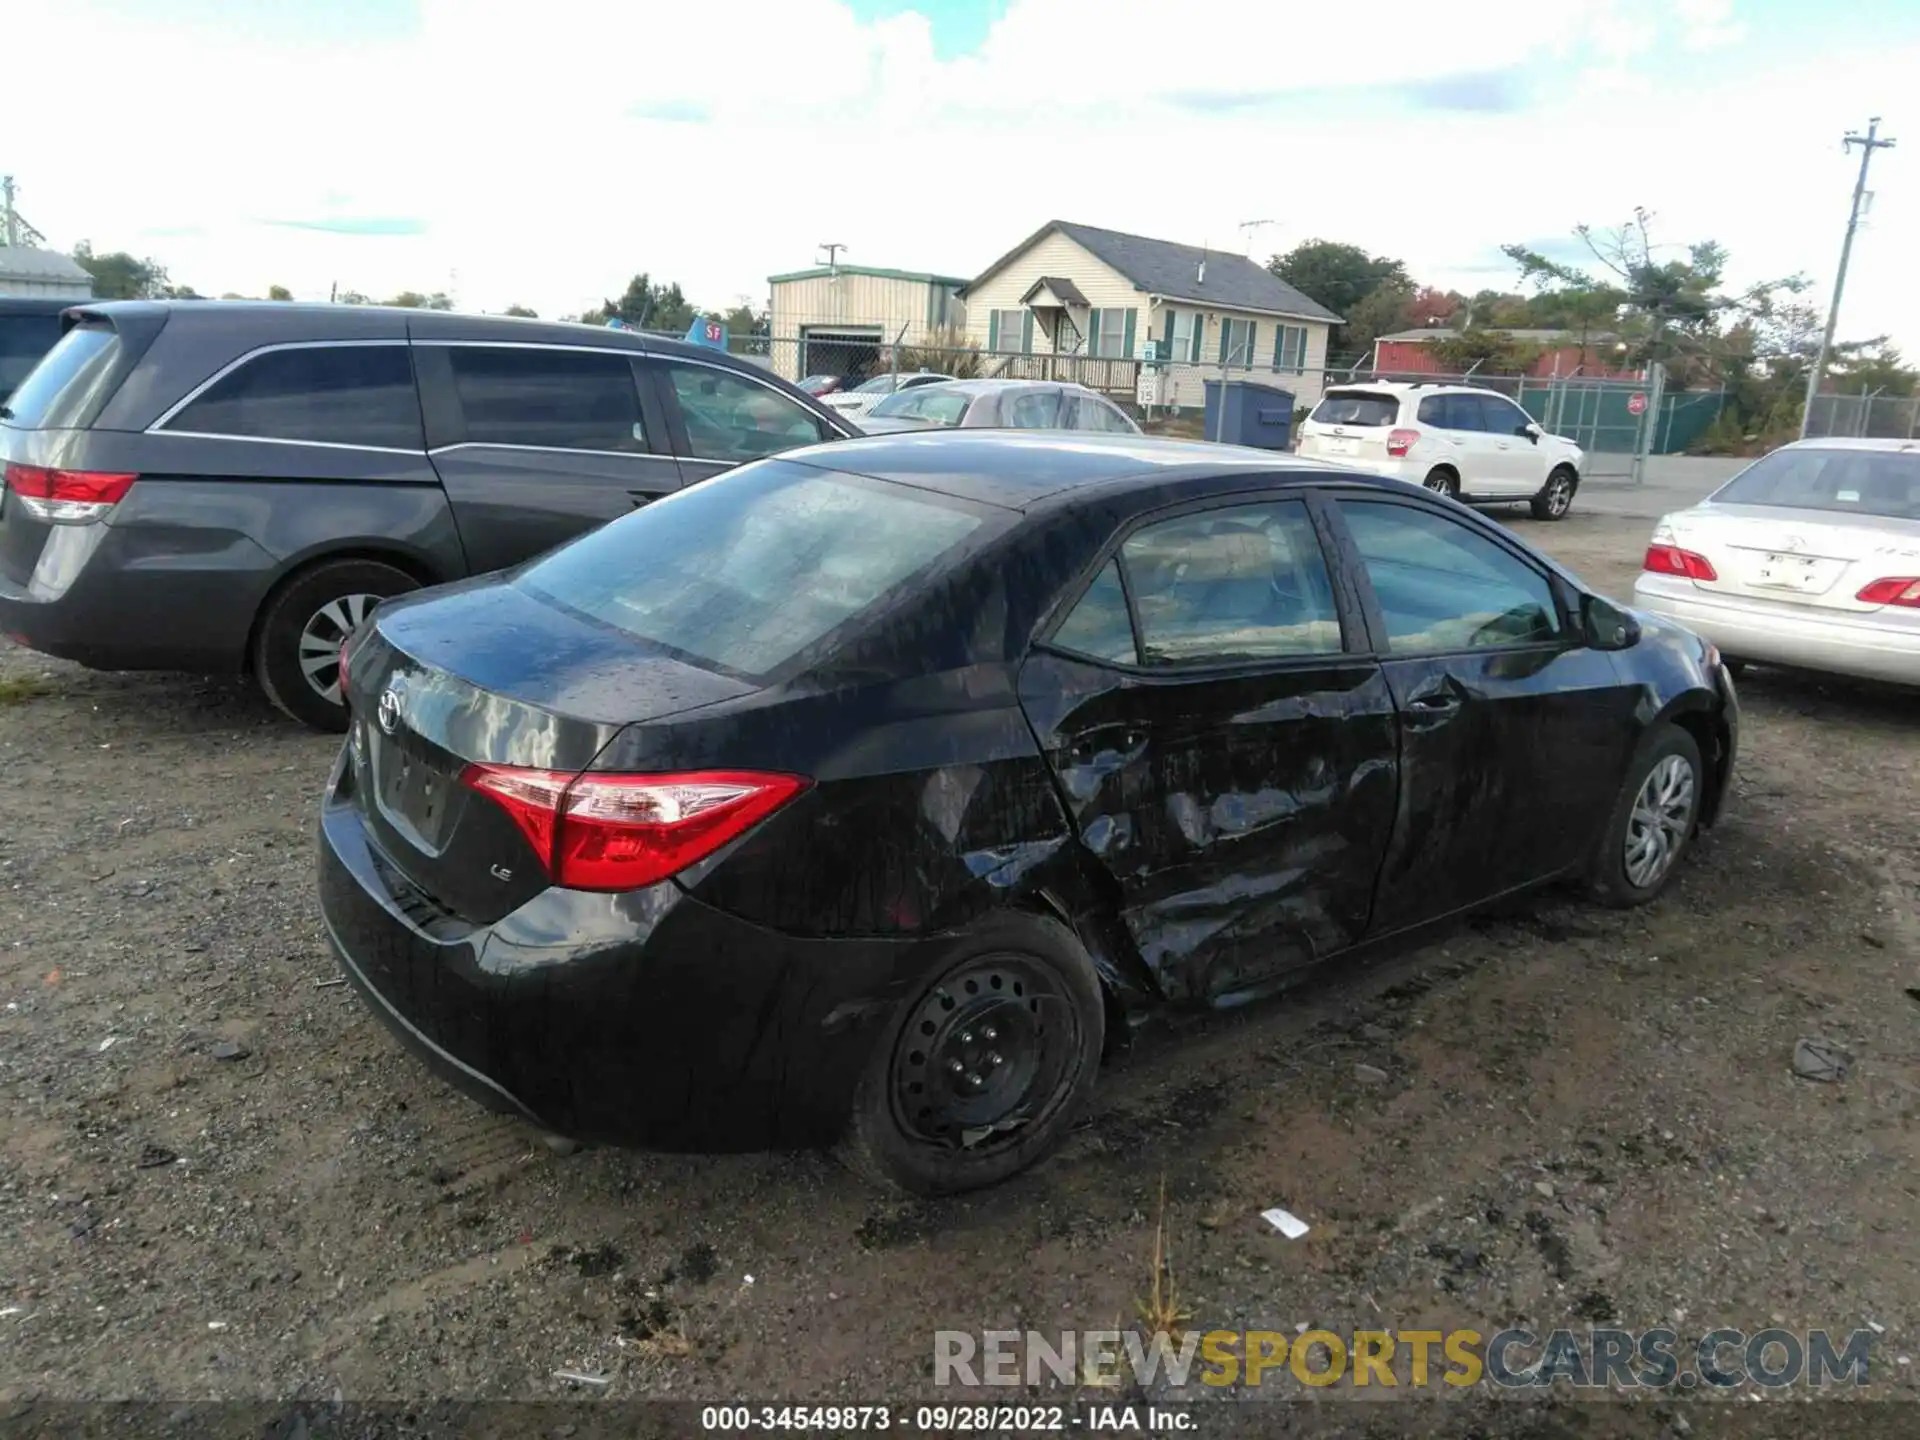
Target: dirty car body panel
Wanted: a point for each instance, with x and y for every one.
(957, 728)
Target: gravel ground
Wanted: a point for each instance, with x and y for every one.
(221, 1179)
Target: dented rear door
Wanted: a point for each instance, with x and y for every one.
(1240, 807)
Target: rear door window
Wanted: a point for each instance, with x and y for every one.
(70, 383)
(326, 394)
(24, 339)
(731, 418)
(746, 570)
(1356, 407)
(1032, 410)
(546, 398)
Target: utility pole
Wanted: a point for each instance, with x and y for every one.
(833, 255)
(1868, 143)
(13, 218)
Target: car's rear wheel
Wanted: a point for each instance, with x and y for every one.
(985, 1066)
(296, 647)
(1556, 496)
(1653, 820)
(1443, 481)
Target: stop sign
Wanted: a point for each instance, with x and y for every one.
(1636, 404)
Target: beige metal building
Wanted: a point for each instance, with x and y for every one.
(838, 320)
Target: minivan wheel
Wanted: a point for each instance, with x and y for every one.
(985, 1064)
(1653, 819)
(1556, 496)
(1443, 481)
(296, 646)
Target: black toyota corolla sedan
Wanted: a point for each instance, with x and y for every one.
(867, 793)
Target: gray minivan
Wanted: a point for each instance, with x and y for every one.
(218, 485)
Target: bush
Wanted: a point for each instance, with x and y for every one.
(948, 351)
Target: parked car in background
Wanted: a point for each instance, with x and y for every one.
(234, 486)
(29, 328)
(818, 385)
(1473, 444)
(1810, 557)
(863, 397)
(1003, 404)
(859, 794)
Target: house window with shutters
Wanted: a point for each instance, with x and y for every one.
(1180, 339)
(1110, 333)
(1236, 342)
(1010, 331)
(1290, 348)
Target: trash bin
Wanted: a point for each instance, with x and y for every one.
(1255, 414)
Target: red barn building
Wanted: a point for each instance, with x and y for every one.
(1562, 353)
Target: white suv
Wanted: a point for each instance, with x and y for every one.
(1473, 444)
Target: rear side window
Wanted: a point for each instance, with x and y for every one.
(1243, 583)
(746, 570)
(549, 399)
(24, 339)
(1356, 407)
(1847, 482)
(70, 383)
(729, 417)
(325, 394)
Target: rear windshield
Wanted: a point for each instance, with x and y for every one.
(942, 407)
(1356, 407)
(69, 384)
(1854, 482)
(23, 340)
(746, 570)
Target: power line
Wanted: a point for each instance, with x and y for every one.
(1868, 143)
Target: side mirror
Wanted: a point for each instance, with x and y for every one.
(1608, 626)
(1533, 433)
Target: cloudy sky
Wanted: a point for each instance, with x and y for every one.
(540, 154)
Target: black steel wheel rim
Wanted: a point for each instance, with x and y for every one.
(986, 1053)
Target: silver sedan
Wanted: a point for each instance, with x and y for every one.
(1001, 404)
(1810, 557)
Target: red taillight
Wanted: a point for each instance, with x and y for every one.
(1895, 590)
(620, 832)
(1672, 560)
(66, 497)
(1399, 442)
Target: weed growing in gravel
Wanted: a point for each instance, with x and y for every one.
(18, 689)
(1161, 1310)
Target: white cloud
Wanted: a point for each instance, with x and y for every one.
(550, 151)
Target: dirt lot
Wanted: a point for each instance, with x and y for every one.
(221, 1178)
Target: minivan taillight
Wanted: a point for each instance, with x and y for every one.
(1399, 442)
(66, 497)
(621, 832)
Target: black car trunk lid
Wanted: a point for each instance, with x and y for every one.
(445, 687)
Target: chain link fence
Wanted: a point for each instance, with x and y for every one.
(1866, 416)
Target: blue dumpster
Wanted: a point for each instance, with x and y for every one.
(1256, 414)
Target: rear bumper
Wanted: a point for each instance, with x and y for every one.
(645, 1019)
(104, 597)
(1772, 632)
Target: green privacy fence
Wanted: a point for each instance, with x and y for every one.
(1598, 415)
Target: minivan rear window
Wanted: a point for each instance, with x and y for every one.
(1852, 482)
(746, 570)
(66, 389)
(1356, 407)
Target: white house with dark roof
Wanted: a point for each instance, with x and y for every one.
(1071, 289)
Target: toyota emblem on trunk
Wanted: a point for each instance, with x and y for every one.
(389, 711)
